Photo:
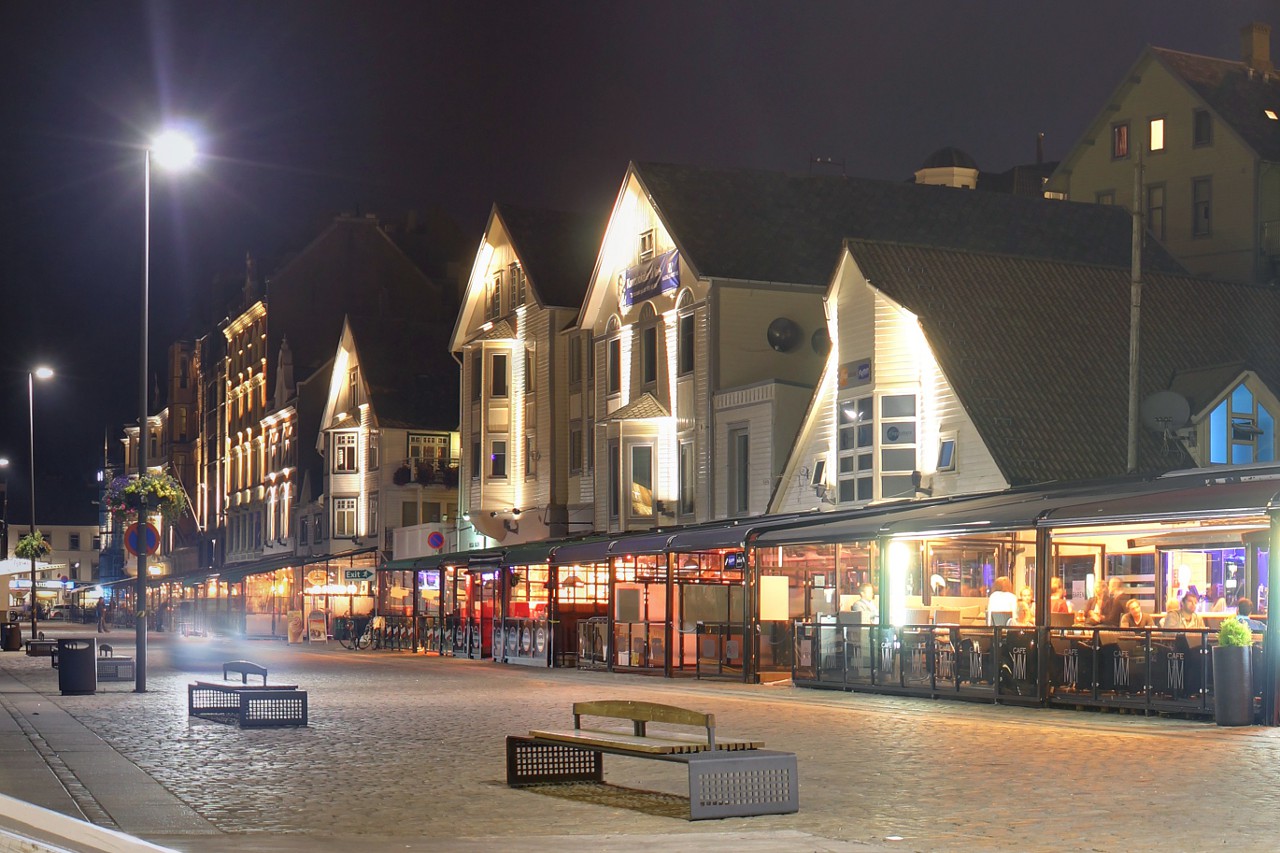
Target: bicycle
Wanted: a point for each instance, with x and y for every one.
(356, 633)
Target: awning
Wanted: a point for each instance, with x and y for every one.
(586, 551)
(644, 543)
(1211, 498)
(531, 553)
(427, 561)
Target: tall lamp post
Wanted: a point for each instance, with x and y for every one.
(170, 150)
(32, 376)
(4, 510)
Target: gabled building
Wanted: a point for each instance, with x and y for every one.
(388, 435)
(956, 372)
(527, 419)
(1205, 133)
(707, 314)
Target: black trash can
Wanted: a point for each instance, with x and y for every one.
(11, 636)
(78, 667)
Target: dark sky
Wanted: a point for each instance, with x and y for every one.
(312, 108)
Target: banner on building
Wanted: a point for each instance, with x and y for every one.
(651, 278)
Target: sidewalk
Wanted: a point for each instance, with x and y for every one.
(405, 752)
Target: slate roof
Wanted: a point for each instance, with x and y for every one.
(411, 377)
(1037, 350)
(1236, 95)
(1201, 386)
(557, 250)
(768, 226)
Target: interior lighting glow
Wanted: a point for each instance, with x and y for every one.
(899, 563)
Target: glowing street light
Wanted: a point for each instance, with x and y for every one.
(40, 372)
(171, 150)
(4, 509)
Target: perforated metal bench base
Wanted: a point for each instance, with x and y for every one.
(721, 784)
(278, 705)
(115, 669)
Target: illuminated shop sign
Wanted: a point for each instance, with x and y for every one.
(651, 278)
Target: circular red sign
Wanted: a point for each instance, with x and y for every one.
(435, 539)
(132, 536)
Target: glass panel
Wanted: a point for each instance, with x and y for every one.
(1218, 435)
(897, 460)
(896, 487)
(1242, 400)
(642, 480)
(1266, 436)
(899, 406)
(1241, 454)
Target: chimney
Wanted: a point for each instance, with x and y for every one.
(1255, 47)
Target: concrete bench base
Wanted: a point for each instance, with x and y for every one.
(252, 707)
(721, 783)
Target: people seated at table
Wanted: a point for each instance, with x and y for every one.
(1108, 604)
(1185, 616)
(866, 604)
(1001, 601)
(1026, 594)
(1058, 596)
(1135, 617)
(1024, 616)
(1244, 612)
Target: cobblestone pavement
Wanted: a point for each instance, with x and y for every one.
(406, 752)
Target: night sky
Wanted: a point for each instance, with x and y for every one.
(308, 109)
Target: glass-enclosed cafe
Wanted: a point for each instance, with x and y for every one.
(931, 625)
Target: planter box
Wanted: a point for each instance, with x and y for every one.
(1233, 685)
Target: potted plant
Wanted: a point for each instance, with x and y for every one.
(402, 475)
(1233, 674)
(426, 473)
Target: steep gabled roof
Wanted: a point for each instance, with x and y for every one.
(768, 226)
(1037, 350)
(411, 377)
(556, 249)
(1237, 94)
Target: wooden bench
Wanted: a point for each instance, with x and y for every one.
(245, 668)
(728, 777)
(41, 648)
(252, 706)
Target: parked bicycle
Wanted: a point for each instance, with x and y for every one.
(354, 632)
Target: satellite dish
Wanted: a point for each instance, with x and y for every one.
(820, 341)
(784, 334)
(1165, 410)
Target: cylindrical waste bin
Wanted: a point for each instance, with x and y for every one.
(78, 667)
(11, 636)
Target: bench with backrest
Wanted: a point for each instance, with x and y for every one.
(728, 776)
(41, 647)
(112, 668)
(245, 669)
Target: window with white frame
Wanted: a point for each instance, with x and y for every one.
(344, 518)
(642, 480)
(344, 453)
(431, 448)
(375, 450)
(373, 514)
(498, 459)
(615, 479)
(1156, 134)
(855, 475)
(530, 456)
(739, 471)
(688, 480)
(947, 452)
(498, 377)
(897, 446)
(648, 345)
(685, 344)
(614, 381)
(495, 297)
(519, 284)
(575, 447)
(353, 388)
(647, 245)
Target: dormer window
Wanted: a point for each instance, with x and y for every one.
(1241, 430)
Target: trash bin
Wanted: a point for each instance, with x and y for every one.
(78, 667)
(11, 636)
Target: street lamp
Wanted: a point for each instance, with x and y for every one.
(172, 150)
(32, 376)
(4, 510)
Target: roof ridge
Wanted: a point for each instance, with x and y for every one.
(987, 253)
(1239, 62)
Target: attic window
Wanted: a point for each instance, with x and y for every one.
(1271, 114)
(647, 244)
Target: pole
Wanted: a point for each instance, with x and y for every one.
(140, 582)
(1135, 312)
(31, 429)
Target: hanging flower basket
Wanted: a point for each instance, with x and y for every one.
(32, 547)
(402, 475)
(163, 494)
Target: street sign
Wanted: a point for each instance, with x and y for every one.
(133, 535)
(435, 539)
(356, 574)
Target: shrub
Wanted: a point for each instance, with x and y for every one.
(1233, 632)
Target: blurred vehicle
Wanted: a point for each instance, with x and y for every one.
(62, 611)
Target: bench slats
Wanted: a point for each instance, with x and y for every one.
(649, 712)
(621, 740)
